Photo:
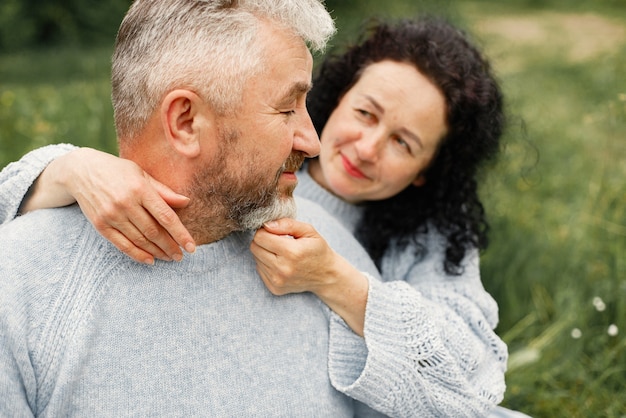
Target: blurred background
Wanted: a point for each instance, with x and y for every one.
(556, 199)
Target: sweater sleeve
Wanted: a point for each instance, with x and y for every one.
(429, 348)
(17, 177)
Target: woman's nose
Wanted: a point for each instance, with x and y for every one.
(369, 146)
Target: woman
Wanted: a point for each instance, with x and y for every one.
(406, 118)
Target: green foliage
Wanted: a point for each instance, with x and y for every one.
(558, 209)
(350, 15)
(55, 96)
(555, 198)
(37, 23)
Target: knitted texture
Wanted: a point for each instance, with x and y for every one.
(429, 337)
(17, 177)
(85, 331)
(429, 347)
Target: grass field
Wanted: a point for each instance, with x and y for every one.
(556, 198)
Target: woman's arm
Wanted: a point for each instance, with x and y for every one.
(49, 190)
(429, 348)
(17, 178)
(293, 258)
(125, 204)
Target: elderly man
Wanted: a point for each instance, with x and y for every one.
(209, 98)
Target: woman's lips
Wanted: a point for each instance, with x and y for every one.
(351, 169)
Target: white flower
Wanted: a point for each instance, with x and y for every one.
(599, 304)
(613, 330)
(576, 333)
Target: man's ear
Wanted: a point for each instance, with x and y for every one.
(181, 119)
(420, 180)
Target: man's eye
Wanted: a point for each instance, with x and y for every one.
(289, 112)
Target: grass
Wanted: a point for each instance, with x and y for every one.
(556, 198)
(558, 208)
(60, 95)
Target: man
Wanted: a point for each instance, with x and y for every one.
(209, 98)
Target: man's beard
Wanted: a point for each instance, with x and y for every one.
(224, 201)
(272, 203)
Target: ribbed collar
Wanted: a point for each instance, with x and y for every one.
(211, 256)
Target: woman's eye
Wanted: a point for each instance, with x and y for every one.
(364, 113)
(401, 142)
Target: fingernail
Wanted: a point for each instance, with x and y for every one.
(190, 248)
(177, 257)
(271, 224)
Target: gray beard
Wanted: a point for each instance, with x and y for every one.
(250, 206)
(224, 202)
(280, 208)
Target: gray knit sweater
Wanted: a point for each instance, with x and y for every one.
(160, 341)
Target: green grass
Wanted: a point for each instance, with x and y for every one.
(55, 96)
(557, 203)
(556, 198)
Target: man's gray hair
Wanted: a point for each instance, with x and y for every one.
(207, 46)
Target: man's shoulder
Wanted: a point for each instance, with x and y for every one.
(41, 237)
(50, 251)
(42, 224)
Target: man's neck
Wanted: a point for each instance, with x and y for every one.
(205, 225)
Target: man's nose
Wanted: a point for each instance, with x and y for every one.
(306, 139)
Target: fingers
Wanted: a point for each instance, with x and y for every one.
(128, 224)
(138, 229)
(127, 247)
(148, 235)
(288, 226)
(160, 207)
(151, 225)
(274, 244)
(275, 280)
(170, 197)
(126, 205)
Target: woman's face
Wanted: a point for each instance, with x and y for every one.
(382, 135)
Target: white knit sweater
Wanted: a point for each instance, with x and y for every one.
(442, 325)
(429, 346)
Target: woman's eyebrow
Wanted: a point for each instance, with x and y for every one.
(375, 103)
(410, 135)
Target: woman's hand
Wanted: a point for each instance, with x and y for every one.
(125, 204)
(293, 258)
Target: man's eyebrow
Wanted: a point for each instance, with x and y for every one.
(404, 131)
(295, 90)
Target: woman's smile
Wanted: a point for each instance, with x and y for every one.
(351, 169)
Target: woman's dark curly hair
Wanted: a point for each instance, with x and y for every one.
(449, 199)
